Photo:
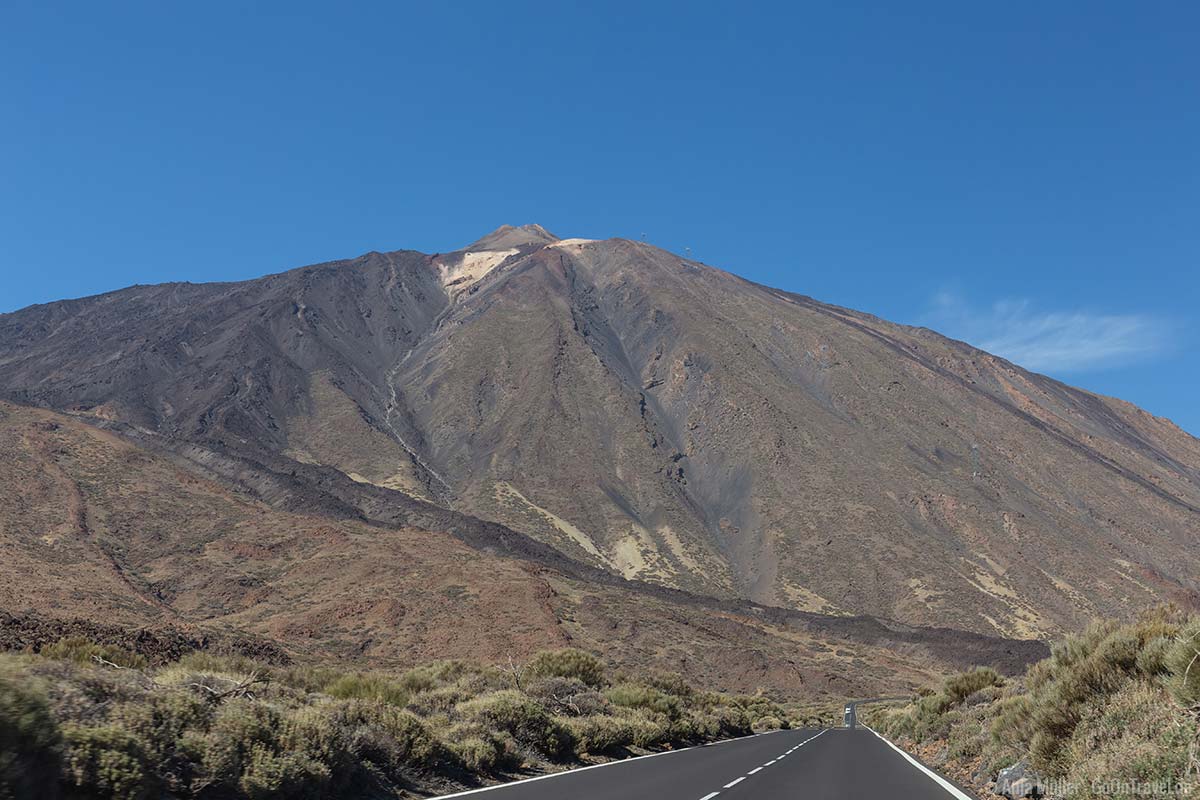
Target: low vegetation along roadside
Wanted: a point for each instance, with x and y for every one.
(1112, 713)
(85, 720)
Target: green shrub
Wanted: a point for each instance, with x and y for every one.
(239, 727)
(722, 721)
(389, 737)
(479, 753)
(600, 734)
(961, 686)
(1152, 661)
(984, 696)
(161, 720)
(321, 734)
(272, 775)
(672, 683)
(648, 729)
(85, 651)
(764, 724)
(568, 663)
(1182, 662)
(1097, 664)
(929, 716)
(567, 696)
(1012, 720)
(107, 762)
(432, 676)
(1097, 713)
(684, 729)
(303, 677)
(29, 740)
(1118, 654)
(640, 695)
(438, 701)
(480, 749)
(369, 686)
(967, 739)
(1134, 737)
(206, 661)
(1096, 701)
(513, 712)
(757, 705)
(314, 732)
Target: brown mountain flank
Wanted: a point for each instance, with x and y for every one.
(649, 416)
(94, 526)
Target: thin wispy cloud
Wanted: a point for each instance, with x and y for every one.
(1051, 341)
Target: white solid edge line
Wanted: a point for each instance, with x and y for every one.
(605, 764)
(734, 782)
(945, 784)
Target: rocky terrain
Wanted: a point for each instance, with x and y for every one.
(640, 413)
(164, 552)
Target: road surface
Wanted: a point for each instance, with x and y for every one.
(831, 764)
(850, 718)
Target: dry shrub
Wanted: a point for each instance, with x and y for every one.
(107, 762)
(369, 686)
(568, 663)
(1182, 662)
(524, 719)
(1134, 738)
(644, 696)
(567, 696)
(764, 724)
(85, 651)
(600, 734)
(958, 688)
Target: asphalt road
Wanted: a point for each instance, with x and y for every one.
(833, 764)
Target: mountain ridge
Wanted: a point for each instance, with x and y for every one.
(660, 419)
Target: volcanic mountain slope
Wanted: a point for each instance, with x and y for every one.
(93, 525)
(658, 418)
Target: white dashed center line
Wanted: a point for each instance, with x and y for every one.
(736, 781)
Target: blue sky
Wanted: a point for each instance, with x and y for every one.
(1023, 176)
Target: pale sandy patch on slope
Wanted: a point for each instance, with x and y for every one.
(1126, 572)
(470, 268)
(629, 554)
(922, 593)
(1027, 622)
(576, 242)
(1077, 597)
(632, 554)
(398, 483)
(679, 550)
(804, 599)
(505, 489)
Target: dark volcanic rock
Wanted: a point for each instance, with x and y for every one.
(159, 645)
